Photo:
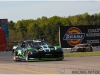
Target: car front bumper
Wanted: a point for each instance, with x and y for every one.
(45, 55)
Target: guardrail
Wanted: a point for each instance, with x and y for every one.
(67, 50)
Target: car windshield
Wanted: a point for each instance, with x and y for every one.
(46, 43)
(37, 43)
(41, 43)
(19, 48)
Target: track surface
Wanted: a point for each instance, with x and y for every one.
(67, 66)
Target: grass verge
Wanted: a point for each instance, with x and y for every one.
(82, 54)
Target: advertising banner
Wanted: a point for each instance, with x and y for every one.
(4, 25)
(73, 35)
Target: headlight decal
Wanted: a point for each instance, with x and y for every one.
(40, 49)
(56, 47)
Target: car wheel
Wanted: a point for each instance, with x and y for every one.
(71, 51)
(86, 50)
(91, 50)
(26, 56)
(14, 56)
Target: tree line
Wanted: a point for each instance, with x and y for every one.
(47, 28)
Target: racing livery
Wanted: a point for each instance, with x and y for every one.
(82, 48)
(37, 50)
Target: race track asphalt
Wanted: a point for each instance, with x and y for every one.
(69, 65)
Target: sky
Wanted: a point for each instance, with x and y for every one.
(28, 9)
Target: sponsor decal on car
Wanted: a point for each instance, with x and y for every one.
(46, 49)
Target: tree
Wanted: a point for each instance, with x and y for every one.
(11, 25)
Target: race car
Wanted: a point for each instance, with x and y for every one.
(82, 48)
(37, 50)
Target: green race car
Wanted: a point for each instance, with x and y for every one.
(37, 50)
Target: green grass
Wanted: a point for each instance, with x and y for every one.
(82, 54)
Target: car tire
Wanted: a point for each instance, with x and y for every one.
(14, 56)
(71, 51)
(91, 50)
(86, 50)
(26, 56)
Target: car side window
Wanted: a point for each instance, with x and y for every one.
(35, 44)
(18, 48)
